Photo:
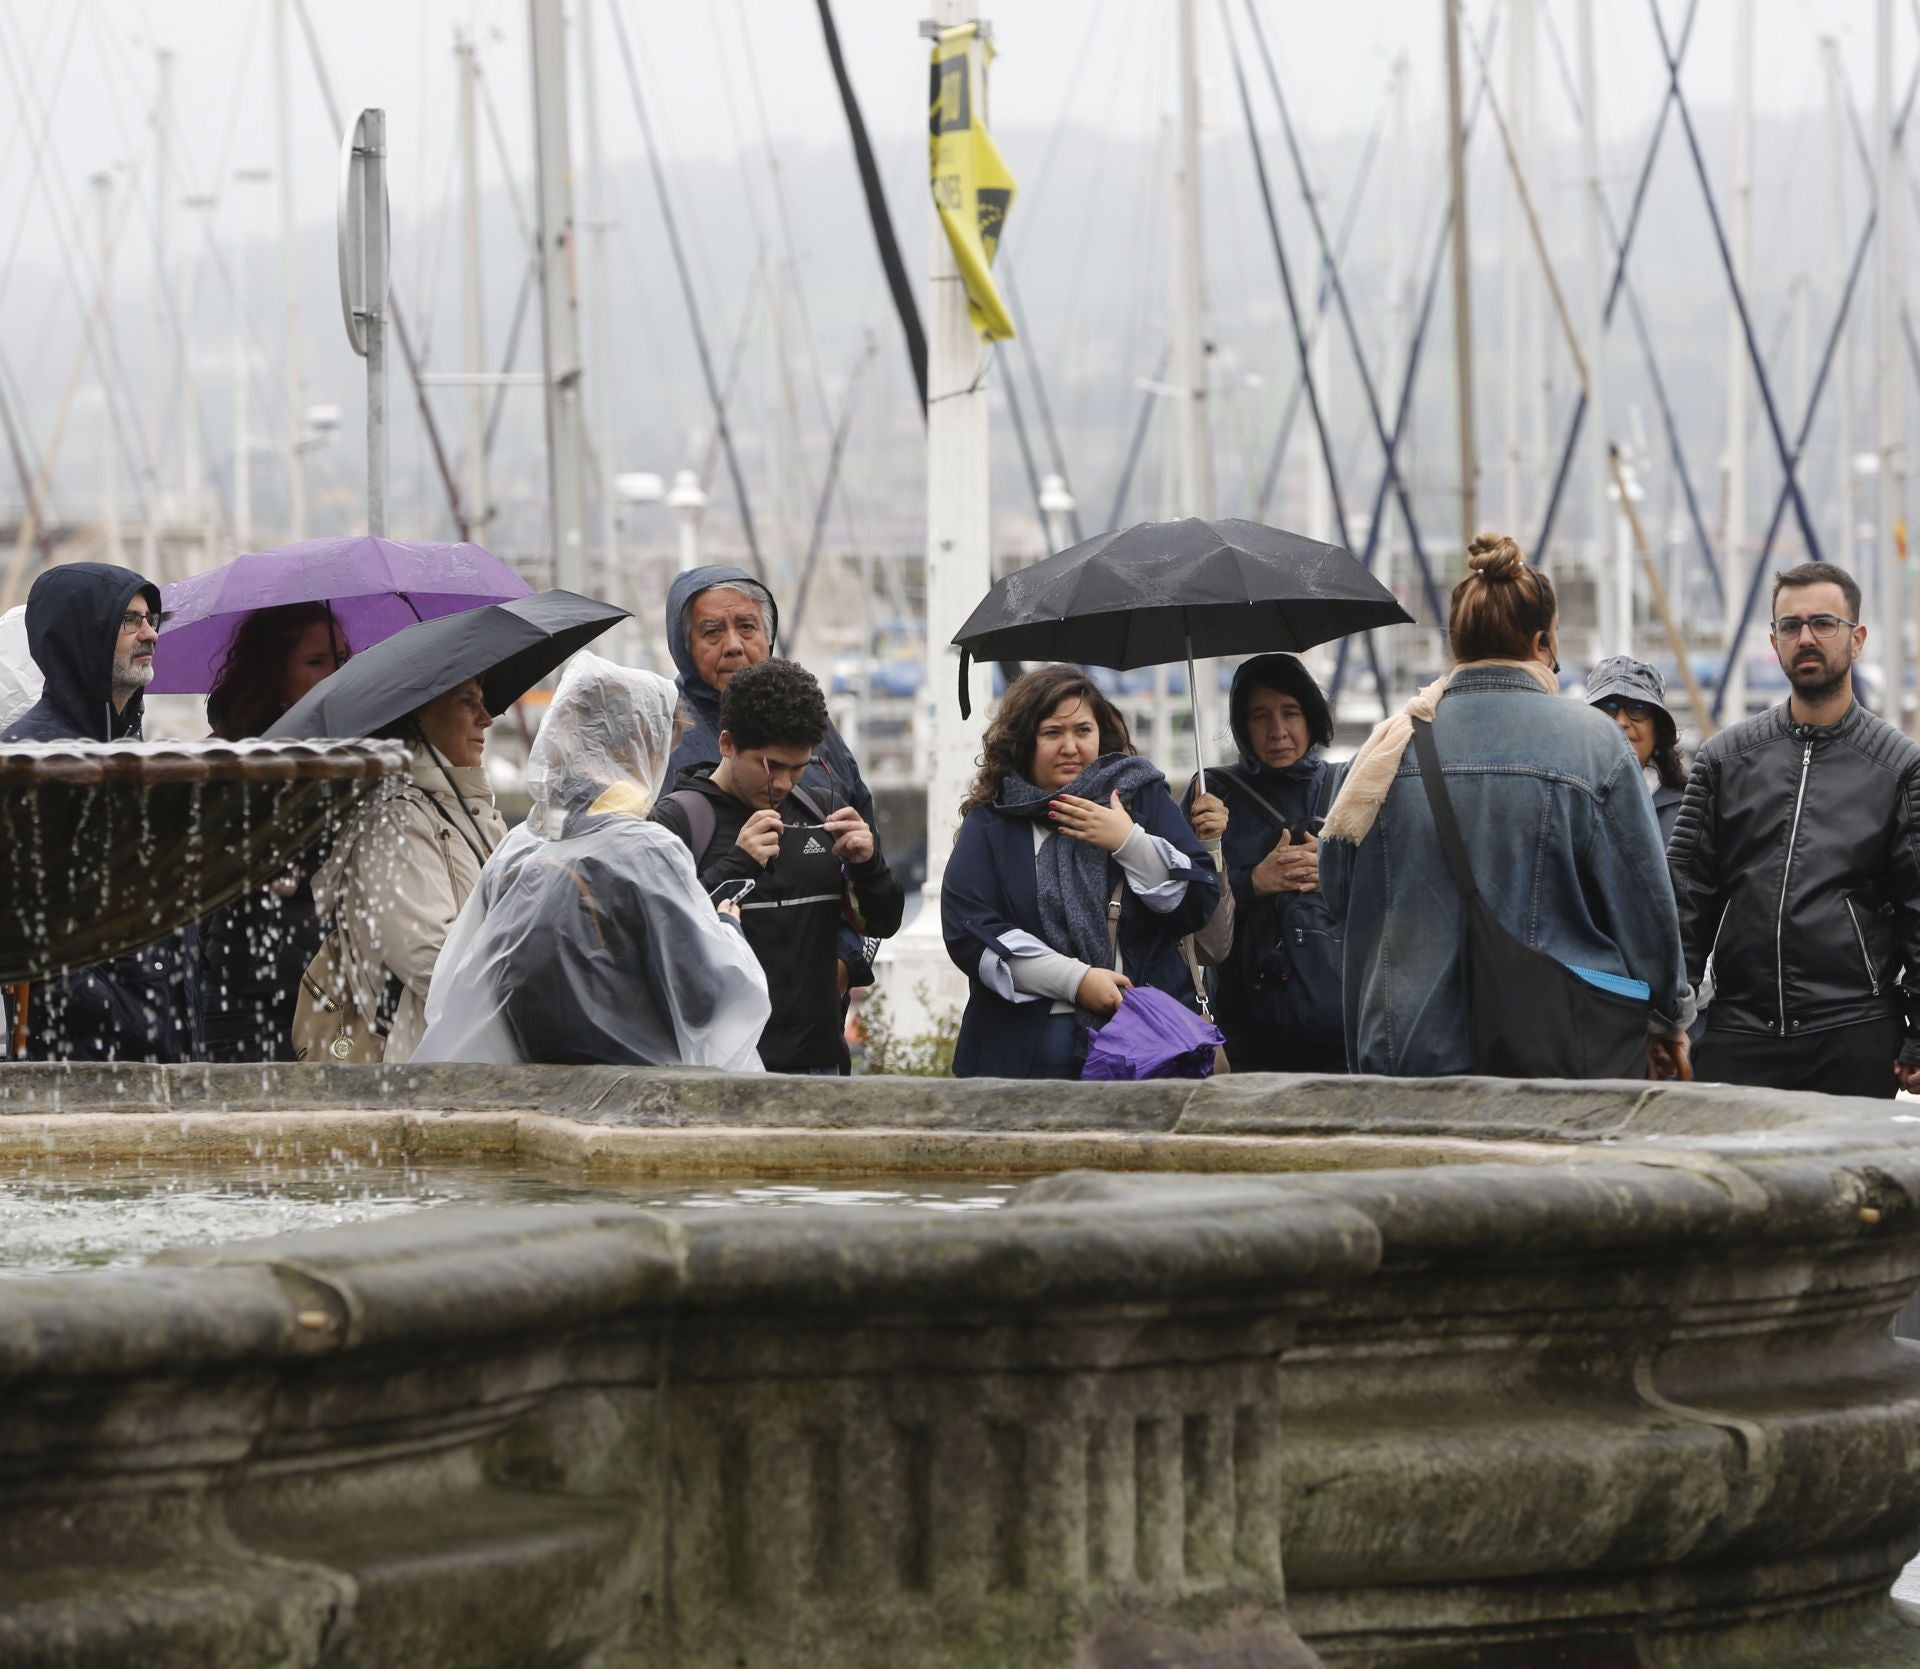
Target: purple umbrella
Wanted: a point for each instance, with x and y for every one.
(375, 586)
(1151, 1036)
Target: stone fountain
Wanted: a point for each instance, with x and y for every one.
(1358, 1373)
(1274, 1372)
(110, 845)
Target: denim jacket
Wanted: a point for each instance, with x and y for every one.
(1565, 848)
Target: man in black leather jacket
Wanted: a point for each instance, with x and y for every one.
(1796, 866)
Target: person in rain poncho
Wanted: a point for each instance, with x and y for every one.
(589, 938)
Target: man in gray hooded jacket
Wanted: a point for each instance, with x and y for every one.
(719, 620)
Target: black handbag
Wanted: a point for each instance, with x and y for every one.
(1528, 1014)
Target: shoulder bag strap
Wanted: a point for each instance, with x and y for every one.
(474, 843)
(1445, 823)
(1266, 806)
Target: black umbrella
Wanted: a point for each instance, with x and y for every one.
(1168, 591)
(509, 647)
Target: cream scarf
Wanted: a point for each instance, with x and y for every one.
(1378, 762)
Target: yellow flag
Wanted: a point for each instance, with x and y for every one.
(972, 189)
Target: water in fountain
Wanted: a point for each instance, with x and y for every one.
(74, 1214)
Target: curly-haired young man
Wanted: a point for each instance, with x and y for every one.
(748, 819)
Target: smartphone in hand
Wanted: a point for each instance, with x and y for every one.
(733, 892)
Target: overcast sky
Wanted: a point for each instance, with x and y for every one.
(1099, 63)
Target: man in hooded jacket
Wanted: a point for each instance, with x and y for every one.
(720, 619)
(91, 628)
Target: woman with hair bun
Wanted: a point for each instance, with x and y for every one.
(1559, 830)
(1064, 820)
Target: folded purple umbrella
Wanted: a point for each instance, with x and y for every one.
(376, 587)
(1152, 1036)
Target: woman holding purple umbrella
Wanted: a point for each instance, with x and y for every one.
(253, 952)
(276, 656)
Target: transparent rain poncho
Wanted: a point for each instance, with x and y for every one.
(20, 679)
(589, 938)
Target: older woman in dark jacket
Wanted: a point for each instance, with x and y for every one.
(1063, 818)
(1277, 995)
(1634, 696)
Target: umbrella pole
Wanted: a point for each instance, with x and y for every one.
(1193, 697)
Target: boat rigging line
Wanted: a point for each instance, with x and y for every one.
(878, 214)
(658, 172)
(1299, 335)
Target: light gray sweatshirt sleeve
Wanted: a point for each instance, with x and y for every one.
(1033, 972)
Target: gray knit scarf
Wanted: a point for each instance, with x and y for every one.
(1072, 874)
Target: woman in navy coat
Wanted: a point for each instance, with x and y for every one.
(1063, 817)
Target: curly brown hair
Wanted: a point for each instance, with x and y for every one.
(1015, 732)
(245, 698)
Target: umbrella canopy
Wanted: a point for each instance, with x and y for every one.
(375, 588)
(1164, 591)
(509, 647)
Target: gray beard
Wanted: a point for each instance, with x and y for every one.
(130, 677)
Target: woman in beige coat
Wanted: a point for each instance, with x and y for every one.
(401, 870)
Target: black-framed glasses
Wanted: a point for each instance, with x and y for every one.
(1825, 627)
(131, 622)
(1613, 706)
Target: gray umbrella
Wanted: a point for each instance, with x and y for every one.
(509, 647)
(1168, 591)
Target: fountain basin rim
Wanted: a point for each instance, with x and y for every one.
(1081, 1239)
(137, 764)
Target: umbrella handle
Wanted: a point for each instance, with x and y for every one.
(1193, 699)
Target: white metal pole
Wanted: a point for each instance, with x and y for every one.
(1615, 578)
(1319, 495)
(600, 302)
(480, 509)
(1514, 265)
(1395, 343)
(164, 359)
(958, 572)
(1530, 304)
(1189, 368)
(109, 441)
(559, 306)
(1735, 558)
(1801, 300)
(1891, 615)
(688, 502)
(1462, 285)
(289, 281)
(1837, 233)
(378, 257)
(193, 474)
(242, 416)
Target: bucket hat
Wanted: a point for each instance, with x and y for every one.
(1622, 678)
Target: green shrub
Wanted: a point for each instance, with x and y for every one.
(884, 1051)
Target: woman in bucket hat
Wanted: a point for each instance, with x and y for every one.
(1634, 696)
